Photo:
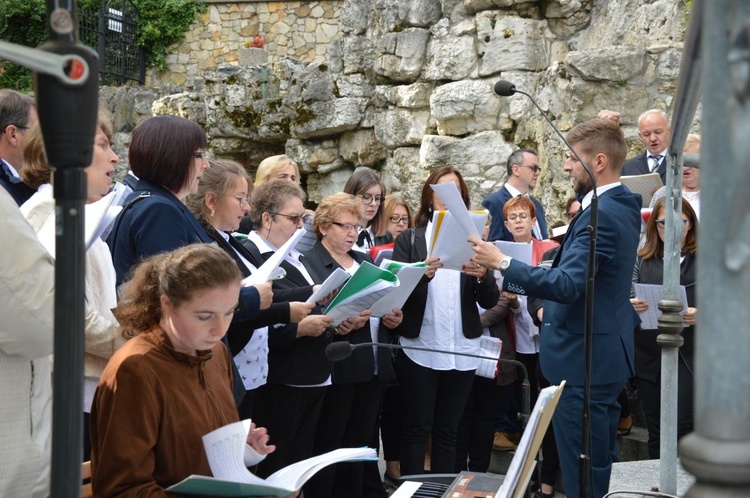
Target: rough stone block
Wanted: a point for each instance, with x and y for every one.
(449, 57)
(400, 127)
(361, 147)
(402, 54)
(607, 63)
(464, 107)
(507, 43)
(421, 13)
(328, 118)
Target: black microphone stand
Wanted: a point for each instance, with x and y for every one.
(66, 83)
(584, 463)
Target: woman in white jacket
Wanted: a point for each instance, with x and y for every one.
(26, 339)
(103, 337)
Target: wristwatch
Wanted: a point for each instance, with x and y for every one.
(504, 265)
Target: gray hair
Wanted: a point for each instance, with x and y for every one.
(14, 109)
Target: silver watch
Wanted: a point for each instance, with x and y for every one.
(504, 265)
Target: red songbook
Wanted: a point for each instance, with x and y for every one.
(378, 253)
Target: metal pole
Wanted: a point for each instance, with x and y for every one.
(670, 322)
(718, 452)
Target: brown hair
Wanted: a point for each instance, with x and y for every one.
(270, 197)
(389, 205)
(600, 136)
(271, 165)
(361, 180)
(333, 206)
(219, 179)
(36, 170)
(424, 214)
(179, 275)
(162, 150)
(654, 246)
(519, 202)
(569, 203)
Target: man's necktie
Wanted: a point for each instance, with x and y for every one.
(657, 160)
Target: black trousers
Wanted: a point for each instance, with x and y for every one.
(651, 402)
(476, 431)
(434, 401)
(347, 420)
(391, 422)
(291, 415)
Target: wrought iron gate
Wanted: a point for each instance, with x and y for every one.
(112, 33)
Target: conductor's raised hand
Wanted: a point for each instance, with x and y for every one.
(485, 253)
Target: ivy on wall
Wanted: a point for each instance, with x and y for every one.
(162, 23)
(21, 22)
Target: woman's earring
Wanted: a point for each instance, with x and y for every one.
(213, 213)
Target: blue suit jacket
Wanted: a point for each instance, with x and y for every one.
(494, 204)
(15, 187)
(639, 166)
(563, 289)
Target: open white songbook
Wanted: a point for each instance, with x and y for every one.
(225, 449)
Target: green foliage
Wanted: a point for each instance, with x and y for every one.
(22, 22)
(163, 23)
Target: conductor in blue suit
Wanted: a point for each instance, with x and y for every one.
(601, 144)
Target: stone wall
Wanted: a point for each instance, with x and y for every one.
(301, 30)
(407, 86)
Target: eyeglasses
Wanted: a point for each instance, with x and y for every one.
(535, 167)
(348, 227)
(522, 216)
(242, 199)
(663, 223)
(368, 198)
(572, 215)
(295, 218)
(399, 219)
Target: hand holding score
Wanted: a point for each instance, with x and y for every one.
(258, 438)
(485, 253)
(432, 266)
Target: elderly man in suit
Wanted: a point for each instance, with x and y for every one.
(653, 128)
(523, 173)
(17, 115)
(601, 144)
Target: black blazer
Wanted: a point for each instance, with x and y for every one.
(639, 166)
(647, 352)
(15, 187)
(360, 366)
(473, 291)
(292, 360)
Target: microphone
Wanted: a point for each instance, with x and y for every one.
(505, 89)
(337, 351)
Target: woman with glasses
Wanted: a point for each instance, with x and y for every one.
(397, 214)
(298, 371)
(219, 205)
(649, 269)
(365, 184)
(350, 408)
(441, 313)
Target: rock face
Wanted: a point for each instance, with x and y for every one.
(407, 86)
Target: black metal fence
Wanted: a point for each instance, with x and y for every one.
(111, 31)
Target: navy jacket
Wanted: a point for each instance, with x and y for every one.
(15, 187)
(563, 288)
(494, 204)
(154, 221)
(639, 166)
